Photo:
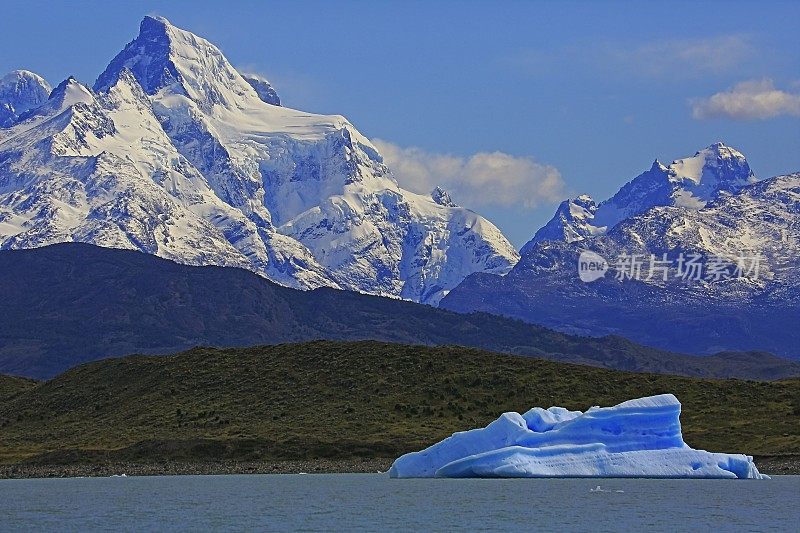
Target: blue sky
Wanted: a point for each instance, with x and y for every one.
(510, 105)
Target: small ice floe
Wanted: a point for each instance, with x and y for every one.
(599, 489)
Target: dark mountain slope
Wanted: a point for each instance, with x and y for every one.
(70, 303)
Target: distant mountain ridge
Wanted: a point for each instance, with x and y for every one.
(691, 182)
(173, 152)
(71, 303)
(708, 209)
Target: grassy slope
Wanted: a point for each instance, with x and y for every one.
(333, 399)
(12, 385)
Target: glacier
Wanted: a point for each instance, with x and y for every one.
(173, 152)
(636, 438)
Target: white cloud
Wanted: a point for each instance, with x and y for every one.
(748, 100)
(484, 178)
(674, 59)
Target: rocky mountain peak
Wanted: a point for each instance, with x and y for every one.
(167, 59)
(584, 200)
(712, 169)
(263, 88)
(657, 166)
(21, 91)
(691, 183)
(442, 197)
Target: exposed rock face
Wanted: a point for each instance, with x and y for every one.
(263, 88)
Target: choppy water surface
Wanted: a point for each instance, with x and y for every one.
(346, 502)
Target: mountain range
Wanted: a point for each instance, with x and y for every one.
(71, 303)
(700, 256)
(173, 152)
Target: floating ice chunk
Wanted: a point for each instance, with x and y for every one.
(599, 489)
(637, 438)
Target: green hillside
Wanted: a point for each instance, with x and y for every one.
(12, 385)
(339, 400)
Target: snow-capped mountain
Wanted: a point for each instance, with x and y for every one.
(572, 222)
(716, 272)
(20, 91)
(174, 153)
(691, 182)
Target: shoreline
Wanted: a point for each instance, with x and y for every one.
(775, 465)
(173, 468)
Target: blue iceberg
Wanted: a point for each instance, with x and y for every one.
(637, 438)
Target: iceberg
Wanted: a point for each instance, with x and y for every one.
(637, 438)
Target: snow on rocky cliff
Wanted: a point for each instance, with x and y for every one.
(20, 91)
(699, 257)
(691, 182)
(175, 153)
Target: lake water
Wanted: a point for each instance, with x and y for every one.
(347, 502)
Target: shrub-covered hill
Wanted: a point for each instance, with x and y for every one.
(347, 399)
